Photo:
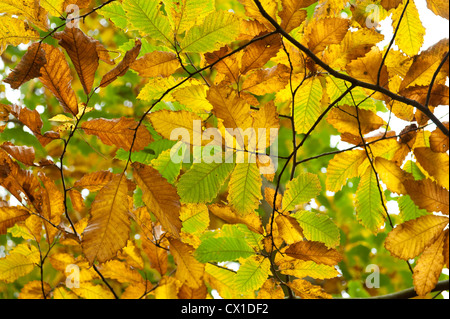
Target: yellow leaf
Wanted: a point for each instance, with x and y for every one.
(108, 228)
(301, 269)
(439, 142)
(345, 121)
(271, 289)
(168, 288)
(88, 290)
(264, 81)
(34, 290)
(54, 7)
(121, 272)
(20, 262)
(189, 270)
(27, 9)
(429, 267)
(342, 167)
(293, 13)
(289, 229)
(156, 63)
(14, 32)
(252, 221)
(411, 31)
(366, 69)
(63, 293)
(392, 175)
(409, 239)
(167, 122)
(194, 97)
(435, 164)
(306, 290)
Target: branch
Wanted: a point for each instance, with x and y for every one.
(410, 292)
(350, 79)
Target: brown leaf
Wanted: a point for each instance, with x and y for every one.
(56, 76)
(439, 94)
(428, 195)
(325, 32)
(257, 54)
(156, 63)
(119, 132)
(82, 50)
(9, 216)
(306, 290)
(315, 251)
(267, 80)
(292, 14)
(435, 164)
(24, 154)
(160, 197)
(123, 66)
(366, 68)
(28, 68)
(228, 66)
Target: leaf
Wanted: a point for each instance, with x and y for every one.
(308, 105)
(94, 181)
(429, 267)
(108, 228)
(56, 76)
(411, 31)
(23, 154)
(54, 7)
(82, 50)
(439, 7)
(10, 215)
(366, 69)
(257, 54)
(306, 290)
(119, 132)
(344, 119)
(116, 13)
(184, 14)
(325, 32)
(167, 123)
(34, 290)
(202, 182)
(228, 66)
(425, 65)
(369, 203)
(302, 269)
(426, 194)
(223, 249)
(194, 97)
(20, 262)
(252, 221)
(410, 239)
(189, 270)
(266, 81)
(439, 142)
(156, 63)
(293, 13)
(123, 66)
(14, 32)
(301, 190)
(435, 164)
(28, 68)
(314, 251)
(289, 229)
(342, 167)
(336, 87)
(221, 280)
(318, 228)
(252, 274)
(88, 290)
(160, 197)
(391, 175)
(217, 29)
(121, 272)
(244, 192)
(166, 167)
(145, 16)
(27, 9)
(195, 218)
(409, 210)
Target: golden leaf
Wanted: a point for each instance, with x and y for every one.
(409, 239)
(160, 197)
(156, 63)
(257, 54)
(325, 32)
(435, 164)
(289, 229)
(439, 7)
(34, 290)
(391, 175)
(306, 290)
(366, 69)
(9, 216)
(345, 121)
(439, 142)
(428, 195)
(108, 228)
(293, 13)
(429, 267)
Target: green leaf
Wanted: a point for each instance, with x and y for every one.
(408, 209)
(308, 105)
(168, 169)
(116, 13)
(223, 249)
(369, 208)
(252, 274)
(202, 182)
(301, 190)
(245, 188)
(146, 17)
(318, 227)
(217, 29)
(411, 167)
(336, 87)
